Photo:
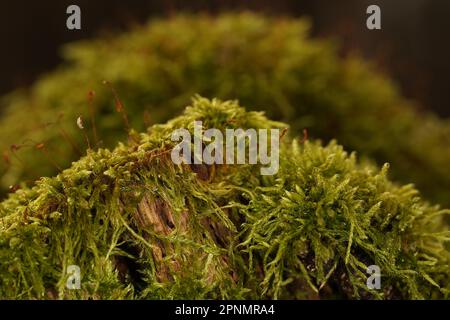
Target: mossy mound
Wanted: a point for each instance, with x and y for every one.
(139, 226)
(266, 63)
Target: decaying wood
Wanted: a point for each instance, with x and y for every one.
(155, 215)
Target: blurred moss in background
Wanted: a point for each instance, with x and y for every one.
(267, 63)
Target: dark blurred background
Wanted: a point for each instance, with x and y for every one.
(413, 45)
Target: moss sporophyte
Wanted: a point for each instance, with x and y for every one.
(138, 226)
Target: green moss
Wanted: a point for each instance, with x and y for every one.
(267, 63)
(140, 227)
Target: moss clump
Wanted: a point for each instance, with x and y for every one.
(140, 227)
(266, 63)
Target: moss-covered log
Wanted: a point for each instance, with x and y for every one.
(139, 226)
